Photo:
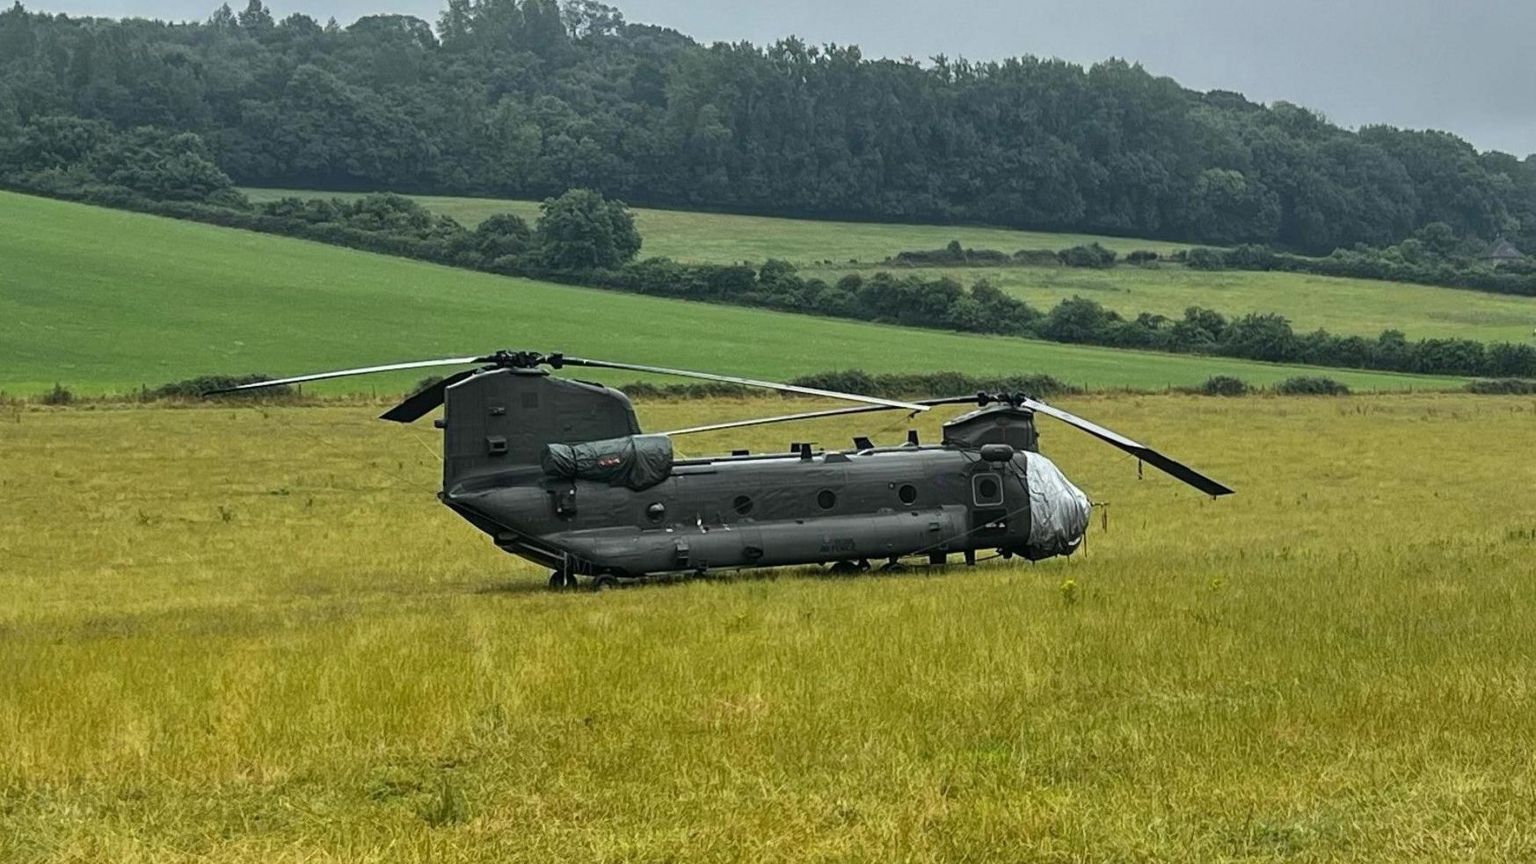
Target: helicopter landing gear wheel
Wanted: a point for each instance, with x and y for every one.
(561, 581)
(893, 566)
(845, 568)
(604, 582)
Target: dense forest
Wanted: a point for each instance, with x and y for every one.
(527, 98)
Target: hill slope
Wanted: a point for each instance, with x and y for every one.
(1363, 307)
(104, 300)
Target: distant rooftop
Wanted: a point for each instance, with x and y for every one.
(1504, 250)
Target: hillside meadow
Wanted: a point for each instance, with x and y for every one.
(251, 634)
(723, 237)
(830, 249)
(108, 301)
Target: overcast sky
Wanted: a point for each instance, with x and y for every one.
(1469, 67)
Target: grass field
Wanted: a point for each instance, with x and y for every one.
(692, 236)
(252, 635)
(103, 300)
(1361, 307)
(1350, 306)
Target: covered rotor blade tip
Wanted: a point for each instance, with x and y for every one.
(1166, 464)
(347, 373)
(744, 382)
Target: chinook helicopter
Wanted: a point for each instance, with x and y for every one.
(558, 471)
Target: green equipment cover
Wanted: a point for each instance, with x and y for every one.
(636, 461)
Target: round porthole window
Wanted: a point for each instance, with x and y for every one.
(656, 512)
(742, 505)
(826, 499)
(907, 493)
(987, 488)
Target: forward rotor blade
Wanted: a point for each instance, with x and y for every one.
(347, 373)
(421, 403)
(730, 379)
(1135, 448)
(813, 415)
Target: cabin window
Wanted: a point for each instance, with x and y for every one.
(656, 512)
(826, 499)
(987, 489)
(907, 493)
(742, 505)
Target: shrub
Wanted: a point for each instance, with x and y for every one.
(1224, 385)
(1037, 257)
(1308, 385)
(1201, 258)
(1141, 256)
(59, 395)
(194, 388)
(1093, 255)
(1502, 386)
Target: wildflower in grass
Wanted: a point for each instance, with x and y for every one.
(1069, 592)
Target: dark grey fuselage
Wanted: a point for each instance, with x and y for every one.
(726, 512)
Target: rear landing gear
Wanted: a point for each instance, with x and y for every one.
(561, 581)
(604, 582)
(849, 568)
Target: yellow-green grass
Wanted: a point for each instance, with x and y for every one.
(253, 635)
(103, 300)
(1348, 306)
(695, 236)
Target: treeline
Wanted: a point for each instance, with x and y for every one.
(1414, 260)
(1433, 256)
(1091, 255)
(522, 98)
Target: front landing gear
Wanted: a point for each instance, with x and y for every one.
(562, 581)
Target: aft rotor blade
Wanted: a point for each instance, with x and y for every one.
(421, 403)
(813, 415)
(347, 373)
(730, 379)
(1141, 451)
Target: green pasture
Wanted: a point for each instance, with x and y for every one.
(1362, 307)
(103, 300)
(694, 236)
(1348, 306)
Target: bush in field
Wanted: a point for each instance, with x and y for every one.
(59, 395)
(194, 388)
(1092, 255)
(1305, 385)
(1502, 387)
(1225, 385)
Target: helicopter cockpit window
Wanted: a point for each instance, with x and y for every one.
(987, 489)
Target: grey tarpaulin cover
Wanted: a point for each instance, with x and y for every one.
(1058, 511)
(636, 461)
